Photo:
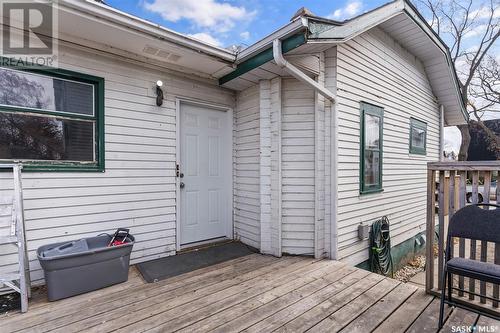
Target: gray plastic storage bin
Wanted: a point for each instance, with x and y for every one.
(72, 268)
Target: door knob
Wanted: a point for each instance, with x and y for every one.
(182, 185)
(181, 175)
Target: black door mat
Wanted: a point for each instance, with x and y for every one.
(164, 268)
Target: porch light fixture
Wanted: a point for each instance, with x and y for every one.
(159, 93)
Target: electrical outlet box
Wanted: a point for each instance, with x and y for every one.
(363, 231)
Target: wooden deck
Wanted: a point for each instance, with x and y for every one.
(255, 293)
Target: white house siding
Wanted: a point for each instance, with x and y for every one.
(276, 194)
(247, 167)
(375, 69)
(298, 167)
(319, 168)
(331, 115)
(266, 222)
(137, 190)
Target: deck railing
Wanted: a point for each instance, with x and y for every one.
(451, 186)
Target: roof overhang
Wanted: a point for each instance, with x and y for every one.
(102, 27)
(400, 19)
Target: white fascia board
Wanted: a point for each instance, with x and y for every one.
(291, 28)
(361, 23)
(132, 22)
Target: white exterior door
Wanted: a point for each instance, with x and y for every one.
(205, 162)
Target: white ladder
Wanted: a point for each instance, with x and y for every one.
(12, 232)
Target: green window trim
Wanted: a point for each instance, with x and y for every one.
(421, 125)
(98, 117)
(372, 110)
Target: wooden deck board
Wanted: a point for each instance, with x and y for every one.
(356, 282)
(106, 304)
(256, 315)
(248, 313)
(226, 301)
(377, 312)
(406, 314)
(486, 321)
(339, 314)
(428, 320)
(45, 312)
(459, 317)
(145, 312)
(255, 293)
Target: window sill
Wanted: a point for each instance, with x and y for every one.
(378, 190)
(58, 167)
(417, 151)
(417, 155)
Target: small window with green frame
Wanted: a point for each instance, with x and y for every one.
(418, 136)
(371, 148)
(51, 119)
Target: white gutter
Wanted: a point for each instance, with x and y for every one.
(441, 133)
(299, 24)
(297, 73)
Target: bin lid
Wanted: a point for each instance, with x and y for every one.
(73, 247)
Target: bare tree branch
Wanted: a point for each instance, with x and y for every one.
(486, 86)
(478, 71)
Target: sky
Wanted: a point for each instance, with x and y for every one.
(235, 22)
(225, 23)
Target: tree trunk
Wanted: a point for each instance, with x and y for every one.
(464, 146)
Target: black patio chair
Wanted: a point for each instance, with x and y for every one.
(470, 222)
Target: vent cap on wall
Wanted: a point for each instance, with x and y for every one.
(154, 51)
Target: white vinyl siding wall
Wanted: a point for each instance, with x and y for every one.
(320, 165)
(330, 77)
(298, 167)
(246, 170)
(373, 68)
(137, 191)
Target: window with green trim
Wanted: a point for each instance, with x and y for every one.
(418, 137)
(51, 119)
(372, 121)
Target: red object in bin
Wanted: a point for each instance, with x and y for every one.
(120, 233)
(118, 242)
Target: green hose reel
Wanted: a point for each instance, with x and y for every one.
(380, 248)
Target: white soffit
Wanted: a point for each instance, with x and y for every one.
(440, 73)
(93, 25)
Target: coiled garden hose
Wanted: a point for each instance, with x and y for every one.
(380, 248)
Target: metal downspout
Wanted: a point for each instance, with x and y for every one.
(441, 133)
(297, 73)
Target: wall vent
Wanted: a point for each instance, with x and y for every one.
(154, 51)
(174, 57)
(163, 54)
(150, 50)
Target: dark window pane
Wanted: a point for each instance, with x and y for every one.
(372, 170)
(29, 137)
(417, 137)
(43, 92)
(372, 131)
